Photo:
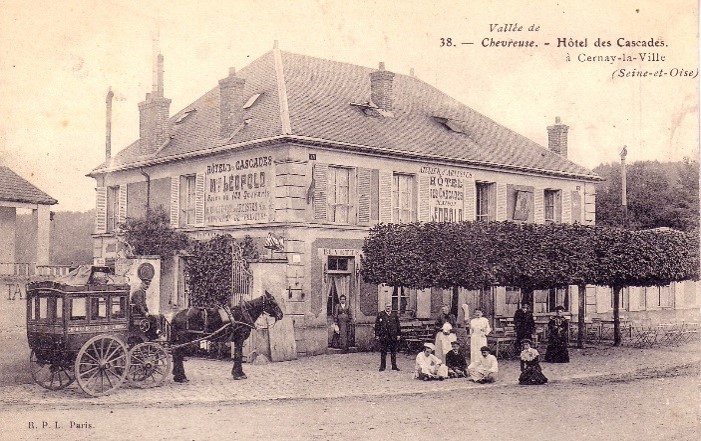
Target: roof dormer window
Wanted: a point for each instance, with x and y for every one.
(252, 100)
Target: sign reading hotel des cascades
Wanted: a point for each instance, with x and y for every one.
(238, 191)
(446, 193)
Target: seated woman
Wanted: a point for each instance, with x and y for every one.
(428, 366)
(455, 361)
(484, 369)
(530, 366)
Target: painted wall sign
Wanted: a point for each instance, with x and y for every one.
(446, 193)
(238, 191)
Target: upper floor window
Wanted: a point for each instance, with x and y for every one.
(551, 206)
(188, 195)
(486, 201)
(112, 208)
(403, 198)
(339, 194)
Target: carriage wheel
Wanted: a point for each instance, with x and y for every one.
(149, 365)
(101, 365)
(50, 375)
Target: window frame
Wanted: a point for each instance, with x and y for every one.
(335, 212)
(552, 201)
(187, 199)
(404, 200)
(485, 197)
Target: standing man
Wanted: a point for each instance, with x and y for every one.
(524, 325)
(387, 333)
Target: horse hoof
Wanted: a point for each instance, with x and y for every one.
(240, 377)
(180, 380)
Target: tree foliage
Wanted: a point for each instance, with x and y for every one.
(209, 269)
(477, 255)
(152, 235)
(659, 195)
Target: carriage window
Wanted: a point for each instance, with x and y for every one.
(32, 308)
(43, 308)
(98, 308)
(118, 306)
(78, 308)
(59, 307)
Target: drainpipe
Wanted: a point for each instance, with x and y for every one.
(148, 189)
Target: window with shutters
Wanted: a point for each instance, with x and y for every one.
(112, 208)
(552, 207)
(188, 197)
(403, 198)
(486, 201)
(339, 199)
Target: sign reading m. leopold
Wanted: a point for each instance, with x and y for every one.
(238, 191)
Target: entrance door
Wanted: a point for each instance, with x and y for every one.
(337, 285)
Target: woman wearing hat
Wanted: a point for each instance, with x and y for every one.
(558, 328)
(428, 366)
(530, 366)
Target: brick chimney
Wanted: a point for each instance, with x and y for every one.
(154, 112)
(381, 88)
(557, 138)
(230, 103)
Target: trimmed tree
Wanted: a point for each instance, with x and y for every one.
(152, 235)
(209, 269)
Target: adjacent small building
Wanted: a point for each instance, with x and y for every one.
(316, 152)
(17, 193)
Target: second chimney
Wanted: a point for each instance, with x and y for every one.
(230, 103)
(154, 112)
(381, 88)
(557, 138)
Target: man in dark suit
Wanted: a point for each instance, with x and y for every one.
(387, 333)
(524, 325)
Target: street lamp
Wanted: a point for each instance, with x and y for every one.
(624, 200)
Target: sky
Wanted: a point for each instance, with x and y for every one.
(58, 60)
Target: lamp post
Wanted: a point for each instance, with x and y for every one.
(624, 200)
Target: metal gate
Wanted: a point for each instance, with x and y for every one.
(241, 276)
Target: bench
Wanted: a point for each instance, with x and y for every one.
(414, 334)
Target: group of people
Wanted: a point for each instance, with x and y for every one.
(443, 359)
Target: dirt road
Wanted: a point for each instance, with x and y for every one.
(622, 409)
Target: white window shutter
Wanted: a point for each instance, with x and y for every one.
(424, 212)
(470, 200)
(538, 206)
(101, 210)
(386, 196)
(501, 202)
(364, 195)
(566, 207)
(122, 203)
(174, 201)
(320, 190)
(199, 199)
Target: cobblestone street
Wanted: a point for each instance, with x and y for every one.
(347, 375)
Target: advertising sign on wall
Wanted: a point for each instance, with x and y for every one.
(446, 193)
(238, 191)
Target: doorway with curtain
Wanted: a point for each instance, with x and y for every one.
(338, 282)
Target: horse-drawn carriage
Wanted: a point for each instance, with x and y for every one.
(83, 329)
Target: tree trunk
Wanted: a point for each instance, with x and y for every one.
(616, 316)
(454, 302)
(581, 314)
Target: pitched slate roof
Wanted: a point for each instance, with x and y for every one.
(14, 188)
(318, 96)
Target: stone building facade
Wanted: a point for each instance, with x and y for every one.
(316, 152)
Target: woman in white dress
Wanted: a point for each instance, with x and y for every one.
(479, 328)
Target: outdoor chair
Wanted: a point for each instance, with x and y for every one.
(642, 336)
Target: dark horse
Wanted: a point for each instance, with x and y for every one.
(193, 323)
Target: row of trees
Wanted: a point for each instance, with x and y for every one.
(476, 255)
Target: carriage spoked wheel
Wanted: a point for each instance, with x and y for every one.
(101, 365)
(52, 375)
(149, 365)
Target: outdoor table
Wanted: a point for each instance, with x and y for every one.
(502, 345)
